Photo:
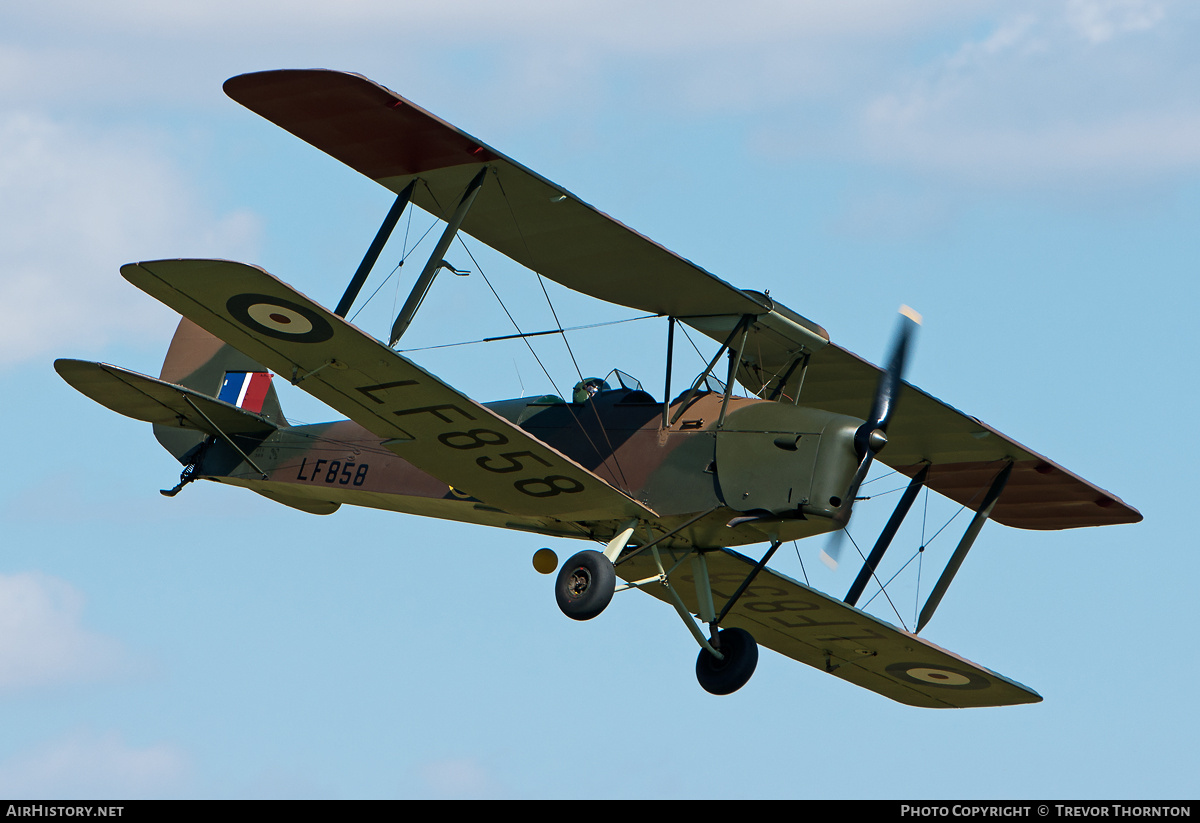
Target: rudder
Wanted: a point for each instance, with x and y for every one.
(207, 364)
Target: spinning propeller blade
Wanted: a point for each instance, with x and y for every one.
(871, 436)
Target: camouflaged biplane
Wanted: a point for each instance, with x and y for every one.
(669, 486)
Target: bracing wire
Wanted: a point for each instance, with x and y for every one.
(535, 268)
(888, 597)
(404, 255)
(521, 334)
(531, 334)
(796, 546)
(918, 555)
(525, 339)
(683, 328)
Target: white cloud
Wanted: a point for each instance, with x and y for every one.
(1024, 94)
(628, 24)
(1101, 20)
(1042, 103)
(42, 640)
(152, 49)
(85, 766)
(82, 201)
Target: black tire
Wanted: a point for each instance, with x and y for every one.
(728, 675)
(585, 585)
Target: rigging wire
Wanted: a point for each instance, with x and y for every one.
(919, 553)
(884, 591)
(703, 359)
(596, 412)
(404, 252)
(925, 516)
(525, 338)
(888, 582)
(796, 546)
(531, 334)
(520, 333)
(404, 255)
(921, 562)
(522, 336)
(535, 268)
(882, 477)
(683, 327)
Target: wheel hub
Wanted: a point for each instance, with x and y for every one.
(579, 583)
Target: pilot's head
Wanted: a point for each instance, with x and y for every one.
(588, 387)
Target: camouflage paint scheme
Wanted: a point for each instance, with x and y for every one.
(550, 230)
(689, 469)
(616, 434)
(726, 471)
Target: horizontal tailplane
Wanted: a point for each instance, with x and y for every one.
(159, 402)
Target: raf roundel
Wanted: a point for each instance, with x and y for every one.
(278, 318)
(927, 674)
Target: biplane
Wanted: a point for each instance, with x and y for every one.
(667, 488)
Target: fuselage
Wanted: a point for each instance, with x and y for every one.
(777, 468)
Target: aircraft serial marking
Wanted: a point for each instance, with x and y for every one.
(436, 411)
(338, 472)
(480, 438)
(369, 391)
(513, 465)
(785, 609)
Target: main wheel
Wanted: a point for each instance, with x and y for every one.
(728, 675)
(585, 585)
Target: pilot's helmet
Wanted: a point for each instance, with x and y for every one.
(587, 387)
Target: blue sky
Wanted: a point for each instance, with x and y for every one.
(1026, 174)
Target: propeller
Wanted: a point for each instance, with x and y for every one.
(871, 436)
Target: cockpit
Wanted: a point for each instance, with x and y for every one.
(617, 389)
(630, 387)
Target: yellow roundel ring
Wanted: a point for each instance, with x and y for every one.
(278, 318)
(931, 674)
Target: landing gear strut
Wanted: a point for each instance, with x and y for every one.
(728, 657)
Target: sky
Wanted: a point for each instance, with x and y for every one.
(1026, 174)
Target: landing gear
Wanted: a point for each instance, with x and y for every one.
(585, 585)
(728, 657)
(728, 675)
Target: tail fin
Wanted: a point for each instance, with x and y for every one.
(204, 363)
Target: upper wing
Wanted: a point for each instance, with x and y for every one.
(519, 213)
(806, 625)
(420, 418)
(547, 229)
(965, 453)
